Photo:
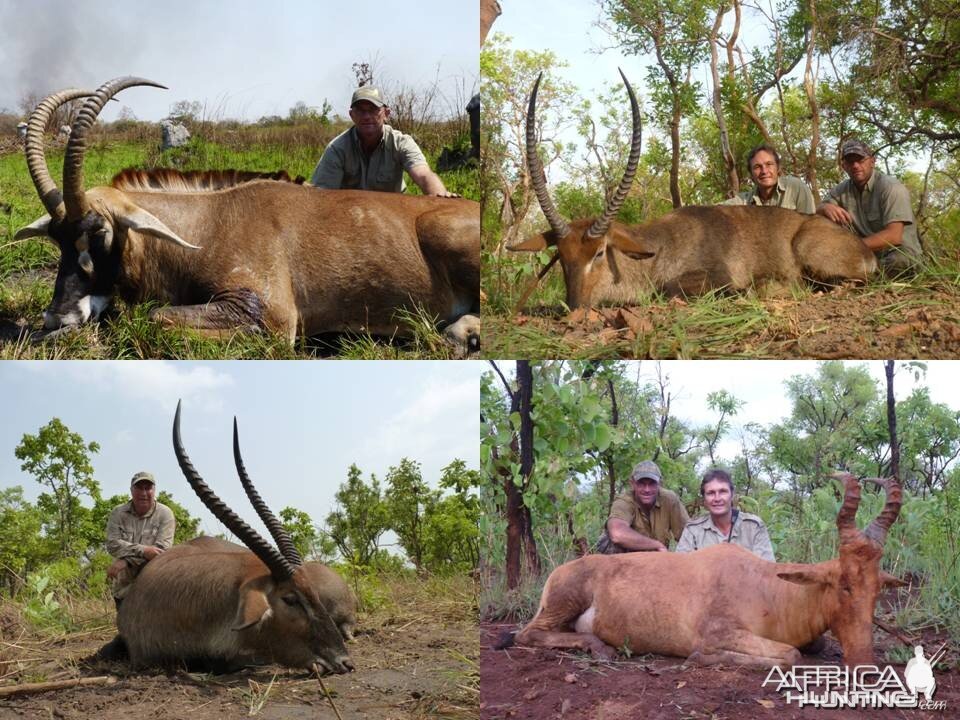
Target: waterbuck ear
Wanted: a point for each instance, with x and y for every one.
(254, 609)
(534, 243)
(631, 247)
(38, 228)
(141, 221)
(805, 577)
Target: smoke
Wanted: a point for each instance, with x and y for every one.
(49, 45)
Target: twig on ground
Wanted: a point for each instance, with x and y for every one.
(30, 688)
(327, 692)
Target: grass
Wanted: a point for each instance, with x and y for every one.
(28, 267)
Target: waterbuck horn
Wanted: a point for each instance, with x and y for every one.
(846, 518)
(280, 567)
(878, 527)
(47, 189)
(73, 192)
(280, 535)
(602, 223)
(537, 176)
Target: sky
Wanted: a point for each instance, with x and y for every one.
(301, 424)
(760, 385)
(242, 59)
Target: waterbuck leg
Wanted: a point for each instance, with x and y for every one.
(235, 310)
(464, 335)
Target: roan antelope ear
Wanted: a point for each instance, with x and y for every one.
(254, 609)
(141, 221)
(534, 243)
(38, 228)
(630, 246)
(804, 577)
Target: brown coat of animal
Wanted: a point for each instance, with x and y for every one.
(489, 11)
(721, 604)
(688, 251)
(254, 255)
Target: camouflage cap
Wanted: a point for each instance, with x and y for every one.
(645, 469)
(142, 477)
(368, 93)
(855, 147)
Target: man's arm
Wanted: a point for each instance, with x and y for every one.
(762, 545)
(626, 537)
(329, 171)
(168, 526)
(805, 203)
(686, 543)
(428, 181)
(117, 546)
(834, 213)
(890, 236)
(678, 521)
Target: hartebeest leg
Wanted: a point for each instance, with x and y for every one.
(743, 648)
(571, 640)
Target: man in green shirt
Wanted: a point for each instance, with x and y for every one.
(372, 155)
(644, 517)
(877, 207)
(770, 188)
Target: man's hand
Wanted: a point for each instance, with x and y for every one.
(115, 568)
(835, 213)
(151, 551)
(446, 194)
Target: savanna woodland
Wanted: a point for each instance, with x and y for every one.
(406, 547)
(559, 440)
(715, 80)
(294, 143)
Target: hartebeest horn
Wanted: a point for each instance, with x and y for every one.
(602, 223)
(878, 527)
(537, 176)
(846, 518)
(280, 567)
(73, 193)
(50, 195)
(280, 535)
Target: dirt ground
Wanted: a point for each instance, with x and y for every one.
(411, 663)
(862, 323)
(537, 684)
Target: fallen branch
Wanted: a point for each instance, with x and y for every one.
(326, 692)
(895, 632)
(30, 688)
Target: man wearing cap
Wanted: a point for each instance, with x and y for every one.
(877, 207)
(372, 155)
(137, 532)
(723, 523)
(770, 187)
(645, 516)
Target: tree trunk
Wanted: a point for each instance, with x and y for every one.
(525, 398)
(809, 84)
(733, 181)
(892, 422)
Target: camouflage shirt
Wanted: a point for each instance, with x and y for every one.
(791, 193)
(345, 166)
(128, 534)
(748, 531)
(667, 517)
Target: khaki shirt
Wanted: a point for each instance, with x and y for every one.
(128, 534)
(884, 200)
(667, 517)
(345, 166)
(748, 531)
(791, 193)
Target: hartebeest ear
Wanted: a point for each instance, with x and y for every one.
(534, 243)
(810, 576)
(254, 608)
(38, 228)
(888, 580)
(141, 221)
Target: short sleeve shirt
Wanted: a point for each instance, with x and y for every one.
(791, 193)
(882, 201)
(748, 531)
(345, 166)
(667, 517)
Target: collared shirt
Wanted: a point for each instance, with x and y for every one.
(128, 534)
(667, 516)
(345, 166)
(791, 193)
(882, 201)
(748, 531)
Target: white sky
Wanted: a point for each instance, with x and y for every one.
(301, 423)
(241, 58)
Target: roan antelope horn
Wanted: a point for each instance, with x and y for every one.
(602, 223)
(73, 192)
(280, 567)
(50, 195)
(537, 176)
(280, 535)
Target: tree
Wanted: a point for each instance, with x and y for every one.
(409, 501)
(451, 532)
(184, 110)
(21, 545)
(60, 460)
(307, 538)
(359, 520)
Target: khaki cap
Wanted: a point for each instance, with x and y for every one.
(142, 477)
(855, 147)
(645, 469)
(368, 93)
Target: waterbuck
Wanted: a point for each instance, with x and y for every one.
(215, 604)
(258, 255)
(722, 604)
(690, 250)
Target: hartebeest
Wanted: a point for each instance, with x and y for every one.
(722, 604)
(690, 250)
(256, 255)
(213, 603)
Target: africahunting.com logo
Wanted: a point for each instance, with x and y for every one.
(866, 686)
